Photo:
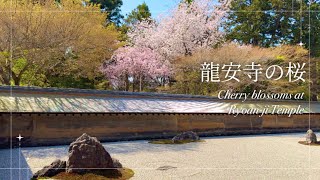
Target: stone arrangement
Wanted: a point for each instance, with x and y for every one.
(86, 154)
(186, 136)
(53, 169)
(311, 137)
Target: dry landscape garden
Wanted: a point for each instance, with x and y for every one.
(205, 89)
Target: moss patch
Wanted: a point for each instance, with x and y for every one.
(309, 144)
(123, 173)
(169, 141)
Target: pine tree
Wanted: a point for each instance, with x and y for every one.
(140, 13)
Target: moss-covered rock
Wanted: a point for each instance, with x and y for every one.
(121, 174)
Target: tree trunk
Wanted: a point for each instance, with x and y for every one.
(140, 83)
(16, 79)
(17, 82)
(5, 79)
(127, 84)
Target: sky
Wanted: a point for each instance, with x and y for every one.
(157, 7)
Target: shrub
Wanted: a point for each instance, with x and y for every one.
(188, 74)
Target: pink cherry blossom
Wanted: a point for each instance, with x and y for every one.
(154, 45)
(189, 27)
(137, 63)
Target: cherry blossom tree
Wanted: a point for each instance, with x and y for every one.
(190, 26)
(135, 64)
(153, 45)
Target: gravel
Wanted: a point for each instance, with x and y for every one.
(233, 157)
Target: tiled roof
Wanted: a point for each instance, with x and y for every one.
(74, 100)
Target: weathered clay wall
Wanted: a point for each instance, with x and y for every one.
(58, 128)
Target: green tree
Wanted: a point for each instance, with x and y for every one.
(112, 7)
(314, 29)
(259, 23)
(138, 14)
(273, 22)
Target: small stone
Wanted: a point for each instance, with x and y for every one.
(311, 137)
(164, 168)
(53, 169)
(116, 163)
(189, 135)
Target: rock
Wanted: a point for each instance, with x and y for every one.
(86, 154)
(189, 135)
(311, 137)
(53, 169)
(164, 168)
(116, 163)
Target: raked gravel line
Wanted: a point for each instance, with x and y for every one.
(233, 157)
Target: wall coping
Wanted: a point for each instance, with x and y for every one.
(122, 94)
